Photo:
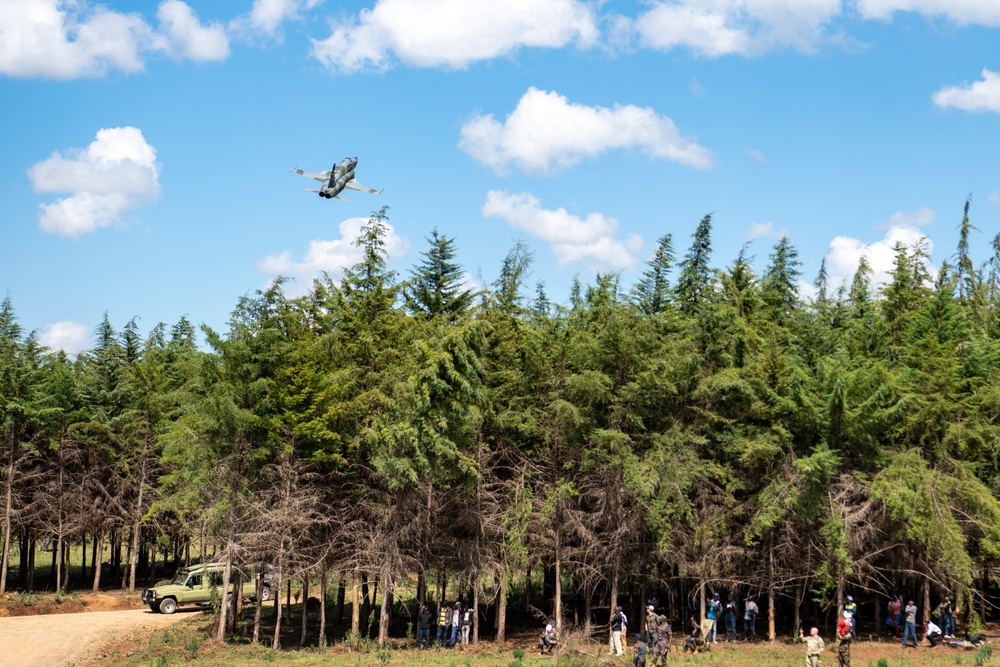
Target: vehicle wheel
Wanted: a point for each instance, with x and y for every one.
(155, 608)
(168, 606)
(265, 593)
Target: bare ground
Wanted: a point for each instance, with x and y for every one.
(57, 640)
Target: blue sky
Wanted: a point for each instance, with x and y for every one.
(147, 147)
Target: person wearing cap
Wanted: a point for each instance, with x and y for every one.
(658, 633)
(814, 646)
(549, 638)
(910, 627)
(617, 620)
(714, 612)
(844, 626)
(852, 607)
(640, 652)
(946, 618)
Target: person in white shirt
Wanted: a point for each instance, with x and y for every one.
(933, 633)
(750, 612)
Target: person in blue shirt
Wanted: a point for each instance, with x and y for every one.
(714, 612)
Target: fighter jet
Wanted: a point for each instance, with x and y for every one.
(339, 177)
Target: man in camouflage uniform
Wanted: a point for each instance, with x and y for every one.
(658, 633)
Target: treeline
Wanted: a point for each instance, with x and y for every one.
(705, 430)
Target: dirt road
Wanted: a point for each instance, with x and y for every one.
(57, 640)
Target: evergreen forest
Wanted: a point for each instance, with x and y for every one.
(704, 430)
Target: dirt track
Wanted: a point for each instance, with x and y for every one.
(56, 640)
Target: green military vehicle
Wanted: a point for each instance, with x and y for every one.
(195, 584)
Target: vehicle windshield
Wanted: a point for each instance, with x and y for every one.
(180, 577)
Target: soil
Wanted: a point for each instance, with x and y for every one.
(65, 639)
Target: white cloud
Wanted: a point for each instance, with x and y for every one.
(845, 252)
(756, 155)
(186, 37)
(979, 96)
(720, 27)
(268, 16)
(546, 133)
(452, 33)
(116, 173)
(919, 218)
(593, 239)
(962, 12)
(331, 256)
(71, 337)
(994, 198)
(69, 39)
(762, 230)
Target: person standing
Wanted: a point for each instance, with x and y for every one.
(456, 623)
(852, 608)
(814, 646)
(946, 618)
(895, 605)
(844, 627)
(910, 626)
(658, 634)
(624, 629)
(444, 622)
(750, 612)
(932, 633)
(730, 618)
(616, 633)
(467, 619)
(714, 612)
(640, 652)
(424, 619)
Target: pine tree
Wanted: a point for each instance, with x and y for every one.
(652, 292)
(695, 277)
(435, 286)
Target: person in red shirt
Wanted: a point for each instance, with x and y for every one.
(844, 626)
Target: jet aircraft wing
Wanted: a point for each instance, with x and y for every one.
(354, 185)
(316, 176)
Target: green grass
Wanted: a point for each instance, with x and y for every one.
(188, 643)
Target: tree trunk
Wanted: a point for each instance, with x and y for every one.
(258, 607)
(527, 590)
(276, 641)
(383, 624)
(8, 513)
(135, 530)
(341, 594)
(927, 599)
(224, 610)
(305, 611)
(557, 603)
(475, 610)
(770, 590)
(355, 604)
(322, 609)
(502, 608)
(99, 547)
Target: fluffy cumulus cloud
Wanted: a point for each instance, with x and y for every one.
(546, 133)
(962, 12)
(330, 256)
(70, 337)
(593, 240)
(184, 37)
(67, 39)
(845, 253)
(978, 96)
(115, 174)
(721, 27)
(453, 33)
